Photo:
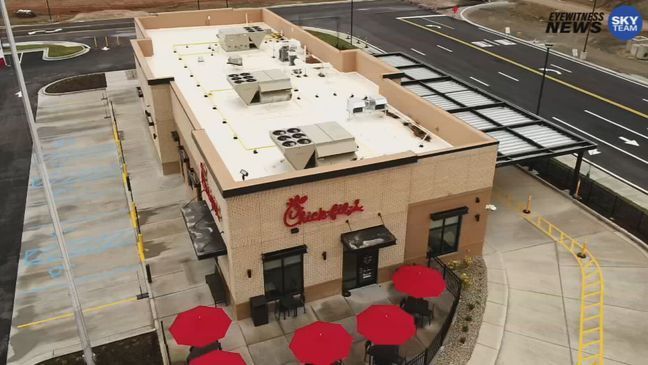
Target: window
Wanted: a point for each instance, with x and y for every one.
(283, 275)
(444, 232)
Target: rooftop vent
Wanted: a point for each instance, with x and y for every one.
(241, 38)
(261, 87)
(358, 105)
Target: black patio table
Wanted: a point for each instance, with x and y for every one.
(417, 307)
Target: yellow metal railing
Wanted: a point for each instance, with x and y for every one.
(591, 328)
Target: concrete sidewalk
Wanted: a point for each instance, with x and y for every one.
(82, 161)
(533, 308)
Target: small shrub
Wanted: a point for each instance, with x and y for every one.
(471, 306)
(468, 318)
(462, 340)
(464, 328)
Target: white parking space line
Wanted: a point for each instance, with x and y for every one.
(445, 49)
(441, 24)
(616, 124)
(479, 81)
(417, 51)
(600, 140)
(560, 68)
(509, 76)
(421, 16)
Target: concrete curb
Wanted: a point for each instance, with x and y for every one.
(43, 92)
(45, 49)
(620, 75)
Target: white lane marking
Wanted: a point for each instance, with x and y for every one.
(550, 70)
(594, 152)
(417, 51)
(445, 49)
(19, 94)
(646, 100)
(560, 68)
(631, 142)
(491, 42)
(509, 76)
(600, 140)
(505, 42)
(433, 26)
(482, 44)
(421, 16)
(616, 124)
(479, 81)
(441, 24)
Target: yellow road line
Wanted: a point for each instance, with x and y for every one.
(530, 69)
(70, 314)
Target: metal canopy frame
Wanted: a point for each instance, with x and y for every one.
(557, 140)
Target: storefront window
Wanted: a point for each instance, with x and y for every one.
(283, 276)
(444, 235)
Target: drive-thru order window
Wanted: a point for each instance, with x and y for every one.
(283, 272)
(444, 231)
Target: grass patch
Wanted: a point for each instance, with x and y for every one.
(331, 39)
(78, 83)
(55, 50)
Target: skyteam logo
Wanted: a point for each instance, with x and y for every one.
(625, 22)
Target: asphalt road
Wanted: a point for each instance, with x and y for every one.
(603, 108)
(15, 141)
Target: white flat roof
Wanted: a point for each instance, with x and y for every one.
(315, 99)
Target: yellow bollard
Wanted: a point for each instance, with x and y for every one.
(140, 247)
(582, 253)
(578, 184)
(118, 41)
(527, 210)
(106, 39)
(95, 42)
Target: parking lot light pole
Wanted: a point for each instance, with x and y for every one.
(544, 76)
(49, 10)
(51, 205)
(351, 22)
(584, 53)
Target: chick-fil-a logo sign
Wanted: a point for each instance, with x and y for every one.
(296, 214)
(207, 189)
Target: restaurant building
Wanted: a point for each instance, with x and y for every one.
(313, 169)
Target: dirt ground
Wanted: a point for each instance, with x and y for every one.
(527, 20)
(83, 9)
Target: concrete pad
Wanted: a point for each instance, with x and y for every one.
(331, 309)
(234, 338)
(483, 355)
(291, 324)
(274, 351)
(350, 325)
(497, 293)
(519, 349)
(192, 275)
(493, 261)
(611, 249)
(411, 348)
(363, 298)
(182, 301)
(245, 353)
(537, 315)
(508, 231)
(495, 314)
(490, 335)
(497, 276)
(259, 334)
(534, 269)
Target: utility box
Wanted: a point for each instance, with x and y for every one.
(642, 51)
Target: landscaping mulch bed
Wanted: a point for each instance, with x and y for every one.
(462, 336)
(78, 83)
(138, 350)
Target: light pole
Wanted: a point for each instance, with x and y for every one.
(544, 75)
(227, 3)
(584, 53)
(49, 195)
(49, 10)
(351, 22)
(198, 1)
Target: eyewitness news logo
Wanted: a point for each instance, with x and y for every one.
(625, 22)
(565, 22)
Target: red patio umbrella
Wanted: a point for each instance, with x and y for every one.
(419, 281)
(219, 358)
(200, 326)
(321, 343)
(386, 325)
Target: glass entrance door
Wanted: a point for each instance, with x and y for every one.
(360, 268)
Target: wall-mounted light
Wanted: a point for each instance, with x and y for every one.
(477, 216)
(294, 230)
(477, 200)
(249, 273)
(324, 255)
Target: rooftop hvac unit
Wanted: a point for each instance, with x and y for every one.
(298, 149)
(241, 38)
(330, 139)
(261, 87)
